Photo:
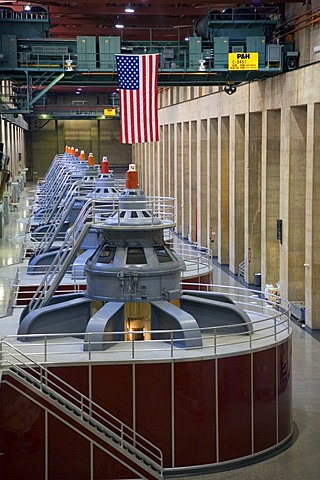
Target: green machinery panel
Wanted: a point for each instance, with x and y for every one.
(9, 50)
(87, 53)
(221, 51)
(195, 52)
(108, 48)
(258, 44)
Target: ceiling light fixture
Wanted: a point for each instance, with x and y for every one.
(129, 9)
(118, 23)
(27, 7)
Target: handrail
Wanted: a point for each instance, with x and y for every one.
(88, 410)
(60, 263)
(53, 276)
(270, 321)
(61, 214)
(196, 263)
(242, 270)
(298, 22)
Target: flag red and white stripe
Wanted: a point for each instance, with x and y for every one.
(138, 79)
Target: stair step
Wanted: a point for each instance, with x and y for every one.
(89, 420)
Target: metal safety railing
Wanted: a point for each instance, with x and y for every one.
(270, 322)
(242, 270)
(115, 432)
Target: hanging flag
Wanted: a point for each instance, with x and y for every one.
(138, 78)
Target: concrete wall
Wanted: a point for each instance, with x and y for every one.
(99, 137)
(240, 163)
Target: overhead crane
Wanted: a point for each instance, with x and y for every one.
(226, 48)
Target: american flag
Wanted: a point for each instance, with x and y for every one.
(138, 78)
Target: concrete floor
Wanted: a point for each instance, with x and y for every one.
(302, 459)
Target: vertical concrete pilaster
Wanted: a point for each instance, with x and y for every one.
(143, 165)
(178, 185)
(172, 142)
(161, 159)
(236, 217)
(252, 215)
(137, 155)
(95, 140)
(158, 162)
(223, 190)
(59, 128)
(154, 172)
(185, 179)
(312, 260)
(292, 270)
(165, 162)
(213, 185)
(193, 171)
(150, 167)
(145, 185)
(203, 185)
(270, 197)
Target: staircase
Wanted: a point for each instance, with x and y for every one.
(92, 214)
(58, 268)
(108, 431)
(56, 224)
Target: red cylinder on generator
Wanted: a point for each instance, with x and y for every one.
(132, 177)
(90, 160)
(104, 165)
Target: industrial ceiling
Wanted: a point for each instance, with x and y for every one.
(148, 21)
(153, 19)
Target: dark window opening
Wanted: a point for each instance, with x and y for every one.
(162, 255)
(107, 254)
(136, 256)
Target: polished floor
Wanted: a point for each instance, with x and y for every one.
(302, 459)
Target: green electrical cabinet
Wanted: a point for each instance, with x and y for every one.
(221, 52)
(195, 47)
(258, 44)
(9, 50)
(108, 48)
(86, 53)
